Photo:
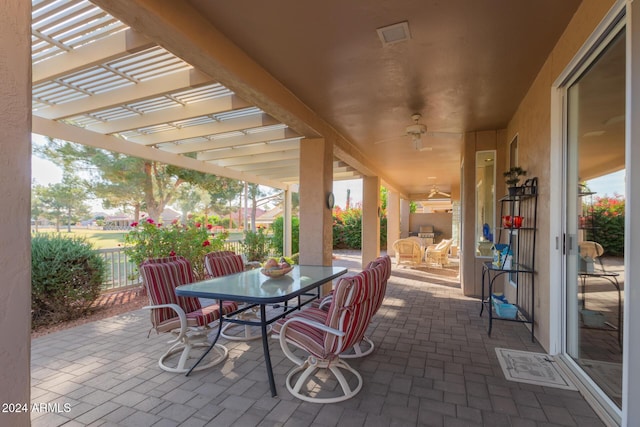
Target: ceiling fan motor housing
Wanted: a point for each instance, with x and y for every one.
(416, 130)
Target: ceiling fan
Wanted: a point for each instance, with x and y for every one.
(418, 130)
(437, 194)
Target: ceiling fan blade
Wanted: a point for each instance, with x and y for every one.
(386, 140)
(445, 135)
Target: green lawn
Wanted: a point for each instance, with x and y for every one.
(106, 239)
(101, 239)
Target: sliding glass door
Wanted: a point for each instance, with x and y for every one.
(594, 223)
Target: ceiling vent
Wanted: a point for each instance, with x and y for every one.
(394, 33)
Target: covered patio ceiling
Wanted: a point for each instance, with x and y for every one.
(234, 88)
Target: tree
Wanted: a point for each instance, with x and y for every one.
(123, 181)
(37, 205)
(189, 198)
(254, 192)
(222, 191)
(64, 200)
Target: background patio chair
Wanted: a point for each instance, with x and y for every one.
(325, 334)
(438, 255)
(248, 265)
(183, 316)
(590, 252)
(407, 250)
(218, 265)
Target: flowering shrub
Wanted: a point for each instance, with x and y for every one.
(347, 228)
(148, 239)
(608, 223)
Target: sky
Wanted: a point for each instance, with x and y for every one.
(340, 192)
(608, 185)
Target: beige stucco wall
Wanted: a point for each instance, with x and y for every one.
(532, 124)
(15, 179)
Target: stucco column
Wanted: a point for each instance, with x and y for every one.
(316, 182)
(286, 239)
(405, 211)
(393, 220)
(15, 190)
(370, 219)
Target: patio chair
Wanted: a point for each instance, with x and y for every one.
(325, 334)
(407, 250)
(366, 346)
(218, 265)
(438, 255)
(184, 317)
(248, 265)
(590, 251)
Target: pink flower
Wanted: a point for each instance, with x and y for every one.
(159, 225)
(198, 225)
(134, 224)
(175, 221)
(206, 243)
(172, 253)
(209, 226)
(150, 221)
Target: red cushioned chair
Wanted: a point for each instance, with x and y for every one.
(248, 265)
(325, 334)
(218, 265)
(183, 316)
(366, 346)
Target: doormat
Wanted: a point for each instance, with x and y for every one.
(532, 368)
(607, 375)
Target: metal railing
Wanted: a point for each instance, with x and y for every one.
(123, 273)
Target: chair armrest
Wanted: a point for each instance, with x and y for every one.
(326, 301)
(312, 323)
(181, 315)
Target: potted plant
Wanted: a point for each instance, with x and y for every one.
(513, 178)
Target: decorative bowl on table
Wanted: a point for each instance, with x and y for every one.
(275, 272)
(274, 268)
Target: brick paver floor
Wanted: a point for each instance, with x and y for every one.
(434, 365)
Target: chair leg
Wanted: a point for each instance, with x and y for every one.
(336, 367)
(185, 348)
(360, 349)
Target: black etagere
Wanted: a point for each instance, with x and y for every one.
(517, 231)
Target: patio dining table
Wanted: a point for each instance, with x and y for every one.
(256, 289)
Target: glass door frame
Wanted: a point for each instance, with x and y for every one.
(615, 21)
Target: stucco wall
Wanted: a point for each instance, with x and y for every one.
(532, 124)
(15, 179)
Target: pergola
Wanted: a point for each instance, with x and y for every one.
(98, 82)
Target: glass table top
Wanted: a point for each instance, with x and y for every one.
(253, 286)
